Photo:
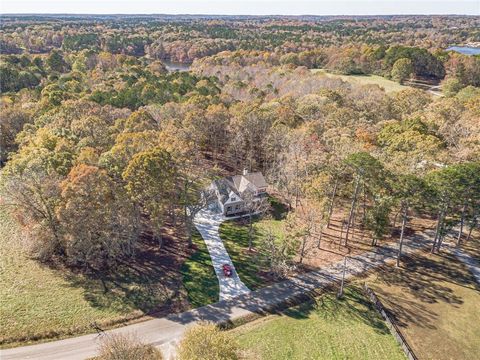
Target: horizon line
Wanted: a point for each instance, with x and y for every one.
(257, 15)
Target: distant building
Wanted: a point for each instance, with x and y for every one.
(230, 190)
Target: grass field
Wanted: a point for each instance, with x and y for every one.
(234, 234)
(38, 302)
(388, 85)
(324, 329)
(199, 277)
(436, 303)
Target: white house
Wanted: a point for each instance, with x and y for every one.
(229, 191)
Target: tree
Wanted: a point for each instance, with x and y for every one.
(378, 216)
(206, 341)
(126, 146)
(278, 252)
(410, 192)
(32, 196)
(150, 180)
(369, 173)
(12, 120)
(254, 206)
(56, 62)
(299, 228)
(451, 86)
(99, 222)
(468, 193)
(408, 143)
(448, 188)
(402, 70)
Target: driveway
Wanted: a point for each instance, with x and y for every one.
(207, 224)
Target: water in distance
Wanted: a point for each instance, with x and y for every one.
(467, 50)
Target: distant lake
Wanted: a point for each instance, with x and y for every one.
(173, 66)
(465, 50)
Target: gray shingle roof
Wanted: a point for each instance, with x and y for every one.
(238, 184)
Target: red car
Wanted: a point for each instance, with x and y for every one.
(227, 270)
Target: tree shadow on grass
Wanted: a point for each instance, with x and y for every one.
(151, 283)
(424, 279)
(352, 307)
(427, 278)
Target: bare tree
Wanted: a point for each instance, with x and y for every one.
(254, 206)
(193, 207)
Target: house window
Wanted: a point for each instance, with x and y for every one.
(234, 198)
(229, 208)
(237, 207)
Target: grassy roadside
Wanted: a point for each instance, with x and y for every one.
(324, 329)
(435, 300)
(199, 278)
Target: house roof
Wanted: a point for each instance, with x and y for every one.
(225, 187)
(238, 184)
(256, 179)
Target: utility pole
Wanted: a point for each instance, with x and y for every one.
(340, 293)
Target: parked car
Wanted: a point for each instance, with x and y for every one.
(227, 270)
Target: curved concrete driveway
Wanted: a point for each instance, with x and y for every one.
(207, 224)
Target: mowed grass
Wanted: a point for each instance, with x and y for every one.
(199, 278)
(388, 85)
(251, 266)
(326, 328)
(436, 302)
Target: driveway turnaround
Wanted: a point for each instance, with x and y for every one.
(207, 224)
(165, 332)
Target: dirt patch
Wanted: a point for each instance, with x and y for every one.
(330, 247)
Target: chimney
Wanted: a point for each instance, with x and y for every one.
(245, 171)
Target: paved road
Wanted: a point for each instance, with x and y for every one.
(165, 332)
(207, 224)
(469, 262)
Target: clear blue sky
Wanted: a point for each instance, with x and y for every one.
(244, 7)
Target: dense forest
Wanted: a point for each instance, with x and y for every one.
(101, 143)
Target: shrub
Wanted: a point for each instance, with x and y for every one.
(206, 341)
(127, 347)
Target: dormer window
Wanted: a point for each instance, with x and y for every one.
(234, 198)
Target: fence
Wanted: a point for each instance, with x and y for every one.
(391, 324)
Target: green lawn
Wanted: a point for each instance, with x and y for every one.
(250, 265)
(199, 277)
(325, 329)
(388, 85)
(38, 302)
(436, 302)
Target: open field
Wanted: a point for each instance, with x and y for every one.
(388, 85)
(324, 329)
(38, 302)
(436, 303)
